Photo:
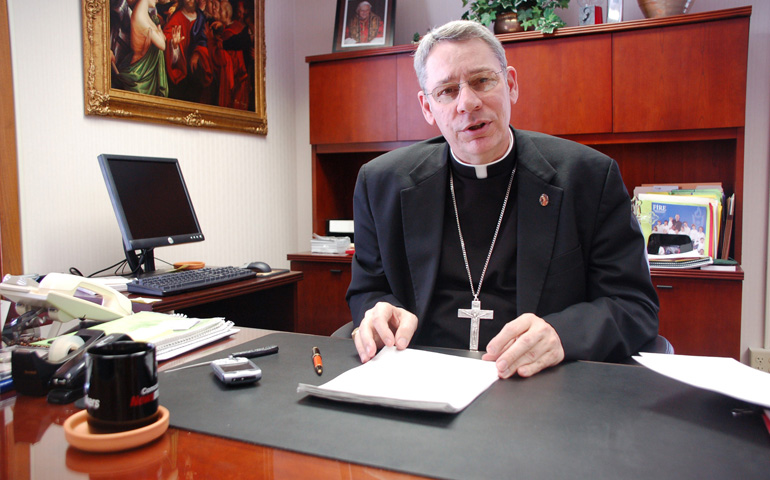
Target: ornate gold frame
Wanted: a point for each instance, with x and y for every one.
(102, 100)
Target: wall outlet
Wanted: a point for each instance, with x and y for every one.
(760, 359)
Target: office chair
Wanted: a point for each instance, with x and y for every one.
(344, 331)
(657, 345)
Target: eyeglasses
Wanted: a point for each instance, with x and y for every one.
(479, 83)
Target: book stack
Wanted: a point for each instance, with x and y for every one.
(683, 223)
(320, 244)
(679, 261)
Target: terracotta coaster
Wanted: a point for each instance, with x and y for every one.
(79, 434)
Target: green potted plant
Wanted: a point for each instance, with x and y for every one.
(531, 14)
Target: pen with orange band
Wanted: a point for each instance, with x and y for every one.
(318, 364)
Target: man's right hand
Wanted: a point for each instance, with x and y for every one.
(383, 325)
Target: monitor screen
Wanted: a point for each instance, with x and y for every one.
(151, 202)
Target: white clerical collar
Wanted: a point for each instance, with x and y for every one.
(481, 170)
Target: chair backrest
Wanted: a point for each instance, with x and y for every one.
(658, 345)
(344, 331)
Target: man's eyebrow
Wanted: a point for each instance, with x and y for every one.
(473, 71)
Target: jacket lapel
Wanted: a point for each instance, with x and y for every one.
(539, 204)
(423, 232)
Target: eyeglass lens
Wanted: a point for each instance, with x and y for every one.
(481, 82)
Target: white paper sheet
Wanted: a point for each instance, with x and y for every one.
(411, 379)
(719, 374)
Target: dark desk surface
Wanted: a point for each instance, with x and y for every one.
(578, 420)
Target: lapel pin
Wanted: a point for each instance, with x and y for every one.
(543, 200)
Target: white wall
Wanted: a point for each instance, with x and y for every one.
(243, 186)
(253, 193)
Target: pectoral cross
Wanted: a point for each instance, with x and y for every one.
(475, 314)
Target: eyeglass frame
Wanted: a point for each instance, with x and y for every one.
(432, 93)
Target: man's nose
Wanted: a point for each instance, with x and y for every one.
(467, 100)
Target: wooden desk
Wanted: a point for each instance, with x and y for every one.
(34, 447)
(263, 302)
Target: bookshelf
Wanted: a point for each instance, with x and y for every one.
(664, 97)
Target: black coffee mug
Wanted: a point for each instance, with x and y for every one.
(121, 390)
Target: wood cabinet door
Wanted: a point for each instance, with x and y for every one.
(564, 85)
(353, 100)
(411, 122)
(681, 77)
(321, 296)
(700, 316)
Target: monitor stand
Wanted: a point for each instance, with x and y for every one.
(144, 262)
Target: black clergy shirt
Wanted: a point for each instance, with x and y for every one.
(479, 201)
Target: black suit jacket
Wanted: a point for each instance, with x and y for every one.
(581, 262)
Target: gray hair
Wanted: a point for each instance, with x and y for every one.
(455, 31)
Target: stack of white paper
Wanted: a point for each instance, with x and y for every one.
(320, 244)
(719, 374)
(411, 379)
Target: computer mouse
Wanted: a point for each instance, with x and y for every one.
(260, 267)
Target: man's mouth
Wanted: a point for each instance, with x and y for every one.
(477, 126)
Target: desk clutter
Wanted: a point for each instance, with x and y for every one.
(56, 367)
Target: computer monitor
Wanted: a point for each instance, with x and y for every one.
(152, 204)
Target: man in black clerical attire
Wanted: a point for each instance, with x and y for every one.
(513, 242)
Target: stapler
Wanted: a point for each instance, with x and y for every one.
(67, 382)
(32, 370)
(35, 375)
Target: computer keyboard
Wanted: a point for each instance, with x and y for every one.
(187, 280)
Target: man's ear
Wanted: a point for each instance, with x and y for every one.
(513, 85)
(426, 108)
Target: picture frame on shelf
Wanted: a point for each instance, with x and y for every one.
(363, 24)
(591, 12)
(218, 82)
(614, 11)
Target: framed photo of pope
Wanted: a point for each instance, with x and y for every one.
(363, 24)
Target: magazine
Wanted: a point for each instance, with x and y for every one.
(693, 217)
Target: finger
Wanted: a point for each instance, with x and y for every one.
(525, 345)
(360, 348)
(382, 319)
(505, 338)
(535, 350)
(365, 343)
(549, 359)
(407, 325)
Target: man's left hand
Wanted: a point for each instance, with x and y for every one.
(525, 346)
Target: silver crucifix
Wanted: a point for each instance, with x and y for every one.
(475, 314)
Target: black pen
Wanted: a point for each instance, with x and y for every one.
(257, 352)
(318, 363)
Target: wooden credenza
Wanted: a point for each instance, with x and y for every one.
(321, 306)
(665, 97)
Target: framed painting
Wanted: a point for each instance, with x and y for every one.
(363, 24)
(198, 63)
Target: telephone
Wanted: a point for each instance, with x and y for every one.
(53, 299)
